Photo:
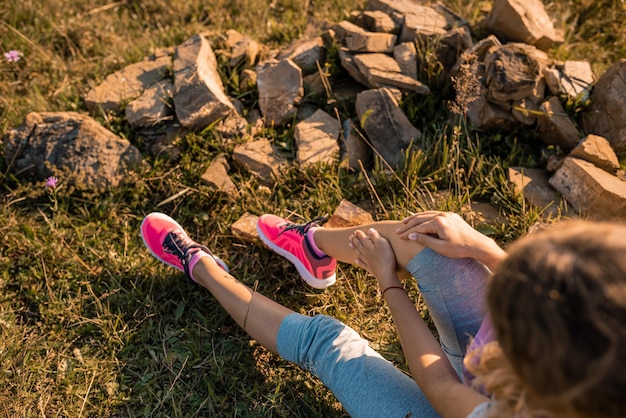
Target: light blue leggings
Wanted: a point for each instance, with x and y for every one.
(364, 382)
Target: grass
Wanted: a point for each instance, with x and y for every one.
(91, 325)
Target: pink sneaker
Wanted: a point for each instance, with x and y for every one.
(169, 243)
(289, 240)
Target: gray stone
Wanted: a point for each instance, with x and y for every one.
(355, 152)
(377, 21)
(533, 184)
(597, 150)
(381, 70)
(387, 127)
(514, 72)
(405, 55)
(307, 54)
(555, 127)
(607, 113)
(280, 90)
(244, 52)
(71, 146)
(573, 78)
(127, 84)
(523, 21)
(162, 139)
(199, 97)
(260, 158)
(316, 139)
(245, 228)
(152, 107)
(357, 39)
(348, 63)
(347, 214)
(526, 110)
(485, 115)
(314, 84)
(590, 190)
(216, 176)
(451, 45)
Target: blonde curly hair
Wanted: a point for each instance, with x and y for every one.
(558, 308)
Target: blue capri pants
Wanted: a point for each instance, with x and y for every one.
(364, 382)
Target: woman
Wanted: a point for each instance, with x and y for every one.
(452, 263)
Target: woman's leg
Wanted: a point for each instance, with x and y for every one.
(453, 289)
(365, 383)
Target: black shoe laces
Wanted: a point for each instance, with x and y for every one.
(180, 246)
(304, 228)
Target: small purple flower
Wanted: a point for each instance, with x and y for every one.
(13, 55)
(52, 182)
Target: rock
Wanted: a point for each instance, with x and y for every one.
(573, 79)
(357, 39)
(514, 72)
(597, 151)
(416, 19)
(451, 45)
(523, 21)
(70, 145)
(260, 158)
(127, 84)
(354, 150)
(348, 214)
(245, 228)
(314, 84)
(232, 126)
(280, 90)
(533, 184)
(306, 54)
(152, 107)
(590, 190)
(347, 62)
(216, 176)
(247, 80)
(386, 126)
(488, 116)
(526, 110)
(199, 97)
(377, 21)
(555, 127)
(607, 113)
(381, 70)
(244, 51)
(405, 55)
(316, 139)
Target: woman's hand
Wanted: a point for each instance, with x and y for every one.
(374, 254)
(449, 235)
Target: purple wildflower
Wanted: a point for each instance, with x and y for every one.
(52, 182)
(13, 55)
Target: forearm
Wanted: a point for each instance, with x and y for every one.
(427, 361)
(490, 254)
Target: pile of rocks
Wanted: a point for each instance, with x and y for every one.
(503, 80)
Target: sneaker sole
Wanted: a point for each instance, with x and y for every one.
(218, 260)
(304, 272)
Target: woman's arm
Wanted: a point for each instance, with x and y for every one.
(449, 235)
(428, 363)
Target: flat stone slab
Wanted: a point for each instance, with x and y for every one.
(532, 183)
(590, 190)
(260, 158)
(357, 39)
(245, 228)
(597, 150)
(387, 127)
(216, 176)
(554, 125)
(127, 84)
(381, 70)
(348, 214)
(316, 139)
(280, 88)
(152, 107)
(199, 97)
(306, 54)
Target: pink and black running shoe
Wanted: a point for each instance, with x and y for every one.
(290, 241)
(169, 243)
